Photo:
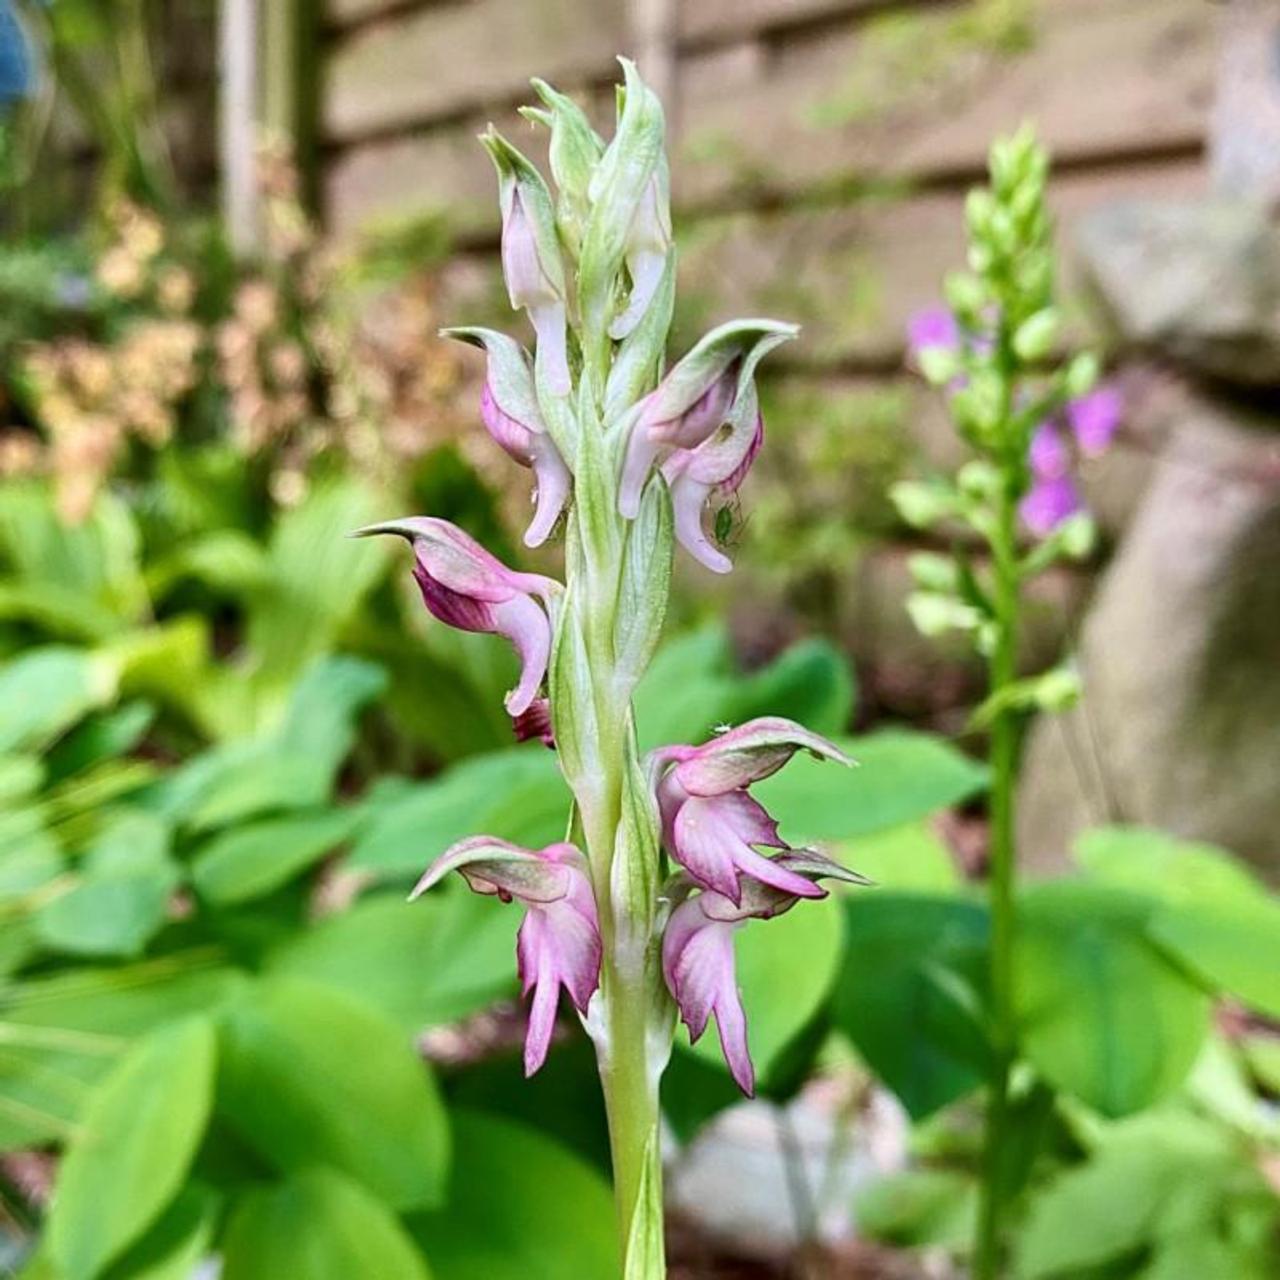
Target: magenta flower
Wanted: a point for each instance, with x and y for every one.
(708, 388)
(1095, 418)
(1048, 455)
(1048, 503)
(711, 825)
(510, 412)
(466, 587)
(697, 952)
(932, 326)
(559, 940)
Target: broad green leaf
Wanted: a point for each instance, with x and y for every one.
(20, 778)
(227, 561)
(178, 1241)
(520, 1207)
(45, 691)
(902, 776)
(909, 994)
(249, 861)
(101, 737)
(321, 714)
(240, 780)
(1233, 945)
(785, 968)
(910, 858)
(312, 1076)
(1110, 1207)
(318, 578)
(96, 558)
(170, 663)
(108, 913)
(422, 963)
(1165, 867)
(317, 1225)
(811, 682)
(688, 689)
(30, 857)
(1102, 1014)
(139, 1135)
(60, 1035)
(517, 795)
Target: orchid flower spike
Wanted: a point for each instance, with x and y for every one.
(559, 940)
(531, 261)
(702, 392)
(697, 952)
(509, 409)
(711, 825)
(466, 587)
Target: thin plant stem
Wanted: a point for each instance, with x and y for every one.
(1001, 879)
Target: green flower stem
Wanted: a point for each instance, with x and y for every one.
(1002, 670)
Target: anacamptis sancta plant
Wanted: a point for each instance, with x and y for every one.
(633, 914)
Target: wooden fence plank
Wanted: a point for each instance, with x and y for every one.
(1100, 80)
(854, 275)
(916, 96)
(448, 61)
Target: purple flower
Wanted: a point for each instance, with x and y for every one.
(1048, 455)
(697, 952)
(1048, 503)
(528, 443)
(710, 823)
(932, 326)
(1094, 419)
(559, 940)
(466, 587)
(535, 722)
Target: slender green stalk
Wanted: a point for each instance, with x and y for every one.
(1001, 877)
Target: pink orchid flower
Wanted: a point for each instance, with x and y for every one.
(711, 825)
(559, 940)
(698, 960)
(466, 587)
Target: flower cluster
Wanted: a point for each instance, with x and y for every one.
(1082, 428)
(624, 463)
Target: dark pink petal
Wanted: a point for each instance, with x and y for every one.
(452, 607)
(535, 722)
(1095, 418)
(697, 421)
(747, 754)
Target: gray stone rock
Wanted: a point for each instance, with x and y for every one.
(1179, 727)
(1195, 281)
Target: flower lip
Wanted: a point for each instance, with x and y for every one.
(509, 871)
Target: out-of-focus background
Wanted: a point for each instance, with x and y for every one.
(228, 739)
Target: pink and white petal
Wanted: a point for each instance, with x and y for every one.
(642, 452)
(750, 753)
(698, 963)
(747, 819)
(512, 436)
(542, 1021)
(706, 848)
(526, 626)
(688, 497)
(497, 866)
(772, 873)
(554, 481)
(552, 354)
(572, 942)
(646, 267)
(731, 1024)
